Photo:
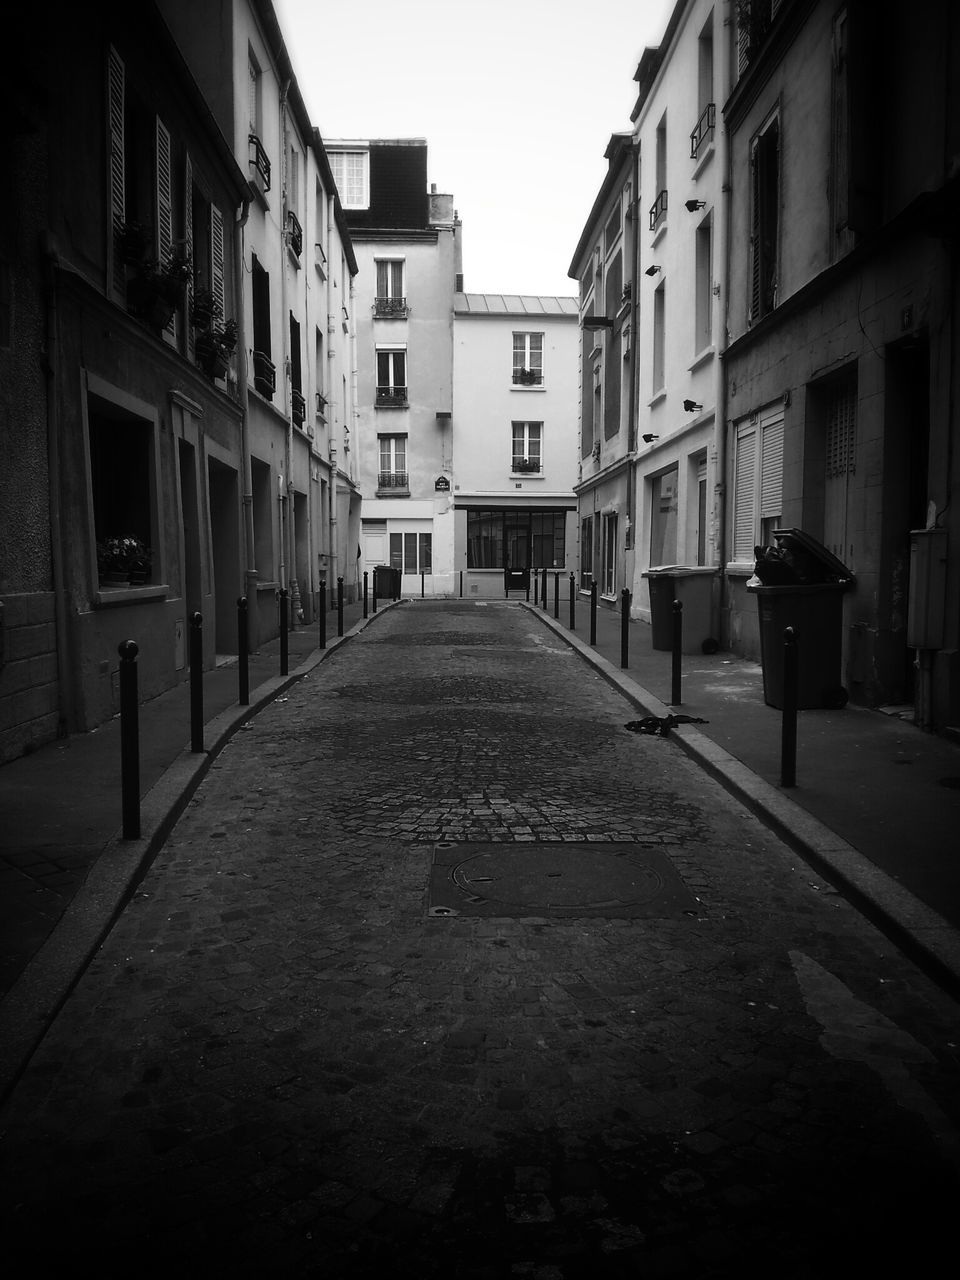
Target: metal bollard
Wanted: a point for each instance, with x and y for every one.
(366, 606)
(196, 682)
(129, 740)
(788, 725)
(461, 584)
(593, 611)
(677, 650)
(423, 586)
(556, 595)
(322, 609)
(624, 625)
(243, 652)
(284, 650)
(339, 606)
(573, 602)
(543, 589)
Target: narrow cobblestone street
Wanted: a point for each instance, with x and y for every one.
(443, 973)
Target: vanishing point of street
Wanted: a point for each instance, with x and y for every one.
(445, 973)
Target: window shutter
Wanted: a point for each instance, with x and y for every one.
(396, 271)
(118, 202)
(743, 494)
(164, 195)
(382, 286)
(753, 313)
(216, 259)
(771, 469)
(743, 42)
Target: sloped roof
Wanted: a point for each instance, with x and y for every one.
(513, 304)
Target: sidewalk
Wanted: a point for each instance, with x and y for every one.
(877, 801)
(61, 805)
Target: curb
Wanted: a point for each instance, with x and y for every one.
(40, 992)
(923, 935)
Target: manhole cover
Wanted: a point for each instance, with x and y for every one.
(613, 880)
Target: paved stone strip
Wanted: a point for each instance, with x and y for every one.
(282, 1064)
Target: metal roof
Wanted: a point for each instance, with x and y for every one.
(513, 304)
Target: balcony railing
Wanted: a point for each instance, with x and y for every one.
(391, 397)
(704, 131)
(526, 464)
(527, 377)
(658, 210)
(264, 374)
(319, 257)
(260, 160)
(321, 404)
(298, 407)
(390, 307)
(294, 233)
(393, 480)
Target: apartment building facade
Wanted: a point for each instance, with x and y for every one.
(841, 370)
(406, 241)
(514, 437)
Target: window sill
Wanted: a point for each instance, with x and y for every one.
(739, 569)
(660, 232)
(396, 404)
(702, 161)
(256, 183)
(657, 399)
(294, 257)
(526, 475)
(393, 493)
(705, 356)
(113, 597)
(517, 386)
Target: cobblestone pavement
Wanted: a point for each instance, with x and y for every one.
(317, 1043)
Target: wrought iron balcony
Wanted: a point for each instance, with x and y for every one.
(260, 160)
(321, 404)
(526, 464)
(390, 307)
(298, 407)
(391, 397)
(264, 374)
(658, 210)
(393, 480)
(704, 131)
(294, 233)
(527, 377)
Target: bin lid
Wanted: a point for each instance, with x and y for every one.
(796, 541)
(669, 571)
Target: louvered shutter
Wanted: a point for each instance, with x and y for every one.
(188, 231)
(383, 288)
(116, 80)
(771, 469)
(743, 42)
(753, 313)
(216, 259)
(744, 498)
(165, 209)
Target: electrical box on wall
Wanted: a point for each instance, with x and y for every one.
(928, 580)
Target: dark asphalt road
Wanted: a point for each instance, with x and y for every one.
(445, 974)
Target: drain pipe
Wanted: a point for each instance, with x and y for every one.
(250, 574)
(286, 486)
(634, 344)
(721, 317)
(51, 257)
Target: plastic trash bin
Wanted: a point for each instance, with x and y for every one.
(386, 582)
(812, 603)
(694, 588)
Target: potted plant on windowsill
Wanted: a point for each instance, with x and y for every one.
(215, 346)
(123, 561)
(158, 289)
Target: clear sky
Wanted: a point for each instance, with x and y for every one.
(516, 99)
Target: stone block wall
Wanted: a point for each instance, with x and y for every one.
(29, 689)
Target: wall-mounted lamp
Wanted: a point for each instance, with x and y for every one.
(691, 406)
(694, 205)
(651, 271)
(596, 322)
(648, 438)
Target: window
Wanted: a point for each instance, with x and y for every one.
(257, 155)
(264, 373)
(298, 406)
(753, 22)
(840, 140)
(351, 172)
(411, 552)
(586, 551)
(658, 210)
(608, 580)
(663, 518)
(659, 338)
(319, 373)
(758, 481)
(393, 463)
(703, 132)
(527, 444)
(390, 300)
(500, 538)
(391, 377)
(765, 219)
(703, 287)
(528, 359)
(700, 532)
(122, 479)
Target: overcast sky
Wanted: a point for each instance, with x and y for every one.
(516, 99)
